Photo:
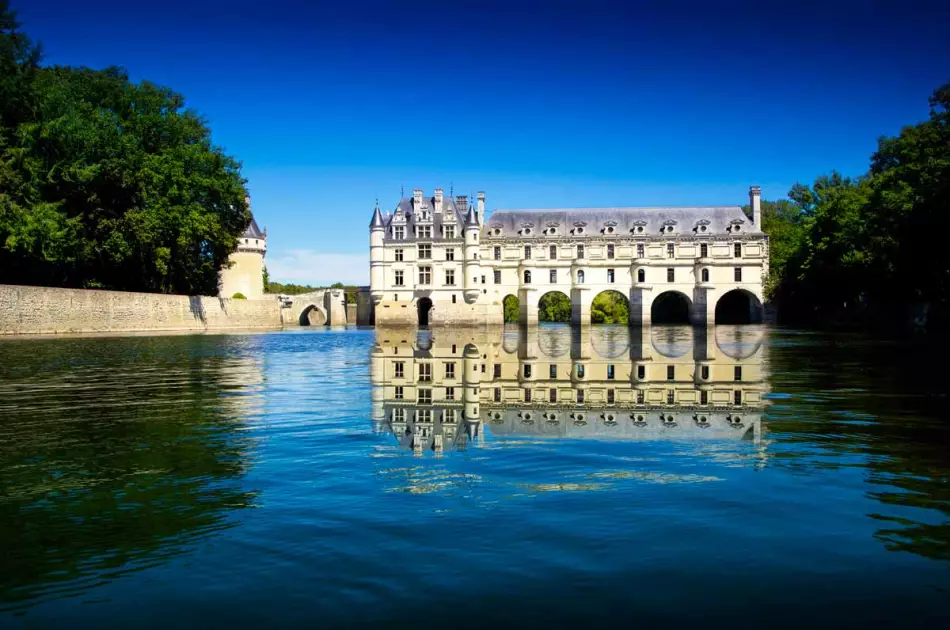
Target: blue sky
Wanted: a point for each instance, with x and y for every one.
(539, 104)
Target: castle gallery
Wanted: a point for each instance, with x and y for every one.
(439, 261)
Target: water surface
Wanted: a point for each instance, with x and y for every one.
(283, 480)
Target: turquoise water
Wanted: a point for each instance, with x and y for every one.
(283, 480)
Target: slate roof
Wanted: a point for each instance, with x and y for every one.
(253, 231)
(405, 206)
(623, 220)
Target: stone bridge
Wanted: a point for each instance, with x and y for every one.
(327, 307)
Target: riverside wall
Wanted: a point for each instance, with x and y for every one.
(26, 310)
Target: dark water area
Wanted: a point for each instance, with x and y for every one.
(327, 478)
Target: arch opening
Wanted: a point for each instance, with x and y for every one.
(739, 307)
(313, 316)
(554, 307)
(610, 307)
(512, 309)
(424, 305)
(671, 307)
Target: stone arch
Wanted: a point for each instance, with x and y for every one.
(554, 307)
(671, 307)
(610, 307)
(738, 306)
(424, 306)
(313, 315)
(511, 309)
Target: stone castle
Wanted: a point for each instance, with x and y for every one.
(245, 273)
(440, 261)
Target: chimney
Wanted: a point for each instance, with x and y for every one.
(417, 199)
(756, 205)
(438, 201)
(480, 207)
(461, 202)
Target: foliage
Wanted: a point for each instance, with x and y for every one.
(336, 285)
(512, 310)
(107, 183)
(554, 307)
(288, 289)
(266, 277)
(610, 307)
(238, 296)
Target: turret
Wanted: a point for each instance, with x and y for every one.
(377, 230)
(473, 267)
(471, 380)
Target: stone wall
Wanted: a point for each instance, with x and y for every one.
(42, 310)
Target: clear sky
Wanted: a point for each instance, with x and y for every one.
(539, 104)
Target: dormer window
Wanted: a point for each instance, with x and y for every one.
(399, 232)
(638, 227)
(702, 226)
(579, 230)
(669, 226)
(526, 231)
(609, 227)
(735, 226)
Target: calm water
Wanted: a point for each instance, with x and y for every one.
(295, 479)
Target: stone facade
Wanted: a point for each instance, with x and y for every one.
(438, 261)
(42, 310)
(438, 391)
(245, 271)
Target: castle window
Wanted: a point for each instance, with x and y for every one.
(497, 274)
(527, 395)
(639, 396)
(399, 369)
(705, 275)
(737, 250)
(640, 253)
(703, 250)
(450, 277)
(610, 372)
(580, 370)
(450, 370)
(450, 254)
(670, 275)
(737, 397)
(399, 232)
(497, 394)
(425, 398)
(527, 370)
(425, 275)
(399, 255)
(552, 371)
(553, 276)
(527, 277)
(580, 395)
(580, 276)
(670, 397)
(610, 249)
(580, 251)
(453, 298)
(425, 231)
(425, 372)
(449, 231)
(399, 415)
(483, 279)
(399, 278)
(610, 396)
(450, 393)
(398, 393)
(641, 275)
(641, 372)
(610, 230)
(245, 241)
(552, 252)
(738, 274)
(670, 250)
(580, 230)
(527, 231)
(552, 396)
(449, 417)
(425, 251)
(527, 252)
(670, 373)
(704, 373)
(610, 275)
(497, 253)
(703, 397)
(737, 374)
(496, 370)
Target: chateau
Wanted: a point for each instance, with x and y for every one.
(245, 275)
(440, 392)
(439, 261)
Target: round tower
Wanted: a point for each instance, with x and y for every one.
(244, 274)
(376, 256)
(472, 380)
(473, 267)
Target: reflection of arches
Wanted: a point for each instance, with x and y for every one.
(672, 341)
(511, 339)
(671, 307)
(610, 307)
(512, 309)
(424, 305)
(610, 342)
(739, 307)
(554, 341)
(313, 315)
(739, 342)
(554, 306)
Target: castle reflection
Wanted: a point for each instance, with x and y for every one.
(436, 391)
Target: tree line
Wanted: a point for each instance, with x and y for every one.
(106, 183)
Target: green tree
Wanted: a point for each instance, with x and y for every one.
(108, 183)
(554, 307)
(610, 307)
(512, 310)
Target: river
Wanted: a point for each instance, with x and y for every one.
(333, 478)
